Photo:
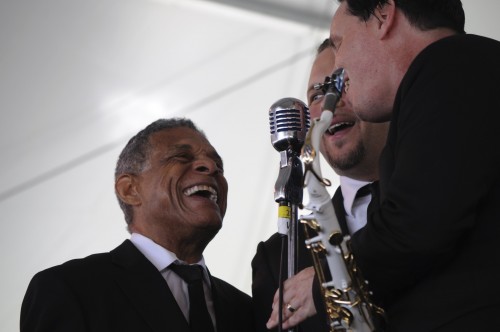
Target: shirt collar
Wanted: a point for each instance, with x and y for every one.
(160, 257)
(349, 188)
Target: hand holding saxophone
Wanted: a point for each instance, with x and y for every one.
(297, 299)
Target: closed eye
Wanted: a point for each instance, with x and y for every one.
(183, 157)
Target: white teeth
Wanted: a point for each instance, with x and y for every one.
(347, 84)
(195, 189)
(333, 128)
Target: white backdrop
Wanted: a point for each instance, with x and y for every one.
(78, 78)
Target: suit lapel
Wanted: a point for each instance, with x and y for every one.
(225, 311)
(220, 306)
(375, 201)
(147, 290)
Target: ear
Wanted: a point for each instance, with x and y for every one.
(126, 189)
(385, 18)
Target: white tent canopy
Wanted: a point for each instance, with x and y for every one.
(78, 78)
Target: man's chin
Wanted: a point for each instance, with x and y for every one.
(343, 156)
(212, 224)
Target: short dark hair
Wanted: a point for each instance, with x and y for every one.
(135, 155)
(423, 14)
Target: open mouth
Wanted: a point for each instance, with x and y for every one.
(202, 191)
(338, 127)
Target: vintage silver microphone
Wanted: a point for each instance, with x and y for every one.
(289, 122)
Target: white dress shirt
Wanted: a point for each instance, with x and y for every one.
(161, 258)
(355, 208)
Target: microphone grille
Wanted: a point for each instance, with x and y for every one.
(289, 121)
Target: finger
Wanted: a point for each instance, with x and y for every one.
(294, 319)
(274, 319)
(276, 295)
(291, 308)
(288, 297)
(287, 311)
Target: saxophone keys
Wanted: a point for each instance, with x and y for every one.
(336, 238)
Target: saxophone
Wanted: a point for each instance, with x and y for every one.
(346, 296)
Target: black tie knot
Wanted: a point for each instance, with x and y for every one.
(189, 273)
(364, 191)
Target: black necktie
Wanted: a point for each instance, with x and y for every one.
(369, 189)
(199, 318)
(364, 191)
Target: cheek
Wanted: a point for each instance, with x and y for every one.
(325, 147)
(225, 190)
(364, 56)
(315, 110)
(354, 53)
(168, 192)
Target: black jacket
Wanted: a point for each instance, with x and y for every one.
(119, 291)
(431, 251)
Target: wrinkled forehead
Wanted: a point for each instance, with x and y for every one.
(182, 139)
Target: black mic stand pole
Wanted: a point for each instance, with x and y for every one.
(288, 193)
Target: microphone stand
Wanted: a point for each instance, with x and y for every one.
(288, 193)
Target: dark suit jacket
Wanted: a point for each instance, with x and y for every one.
(265, 274)
(431, 251)
(119, 291)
